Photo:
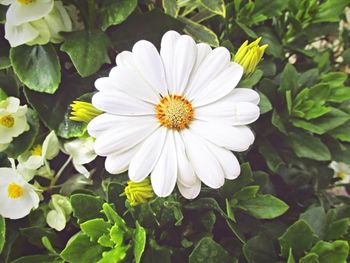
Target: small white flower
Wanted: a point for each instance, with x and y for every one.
(60, 213)
(32, 160)
(13, 120)
(17, 196)
(341, 171)
(47, 20)
(82, 152)
(175, 115)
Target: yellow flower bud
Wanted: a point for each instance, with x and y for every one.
(249, 56)
(139, 193)
(83, 111)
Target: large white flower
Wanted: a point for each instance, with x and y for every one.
(175, 115)
(35, 21)
(17, 196)
(13, 120)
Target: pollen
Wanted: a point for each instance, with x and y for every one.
(14, 191)
(25, 2)
(341, 174)
(37, 150)
(8, 121)
(175, 112)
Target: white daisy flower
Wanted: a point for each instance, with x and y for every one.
(341, 171)
(13, 120)
(82, 152)
(35, 21)
(30, 161)
(18, 197)
(175, 115)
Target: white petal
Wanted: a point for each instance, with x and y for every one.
(190, 192)
(119, 162)
(205, 164)
(18, 13)
(203, 50)
(147, 156)
(212, 66)
(6, 2)
(184, 59)
(150, 65)
(131, 82)
(186, 175)
(106, 84)
(125, 59)
(236, 113)
(167, 53)
(21, 34)
(120, 103)
(50, 146)
(163, 176)
(227, 160)
(244, 95)
(121, 138)
(219, 87)
(235, 138)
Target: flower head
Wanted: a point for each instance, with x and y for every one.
(83, 111)
(18, 197)
(341, 171)
(249, 56)
(13, 120)
(35, 21)
(175, 115)
(82, 152)
(139, 193)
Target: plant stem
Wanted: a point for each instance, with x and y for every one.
(59, 173)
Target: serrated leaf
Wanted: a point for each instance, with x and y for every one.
(95, 228)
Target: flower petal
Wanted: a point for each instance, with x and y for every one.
(117, 163)
(21, 34)
(18, 13)
(124, 137)
(235, 138)
(125, 59)
(147, 156)
(190, 192)
(163, 176)
(206, 166)
(150, 65)
(244, 95)
(120, 103)
(219, 87)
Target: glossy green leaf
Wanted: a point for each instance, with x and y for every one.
(95, 228)
(139, 242)
(207, 250)
(81, 203)
(336, 251)
(215, 6)
(115, 12)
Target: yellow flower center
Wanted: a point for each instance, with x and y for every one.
(8, 121)
(14, 191)
(37, 150)
(174, 112)
(341, 174)
(25, 2)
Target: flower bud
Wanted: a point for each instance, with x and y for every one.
(139, 193)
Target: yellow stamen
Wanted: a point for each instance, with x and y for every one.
(37, 150)
(25, 2)
(8, 121)
(249, 56)
(138, 193)
(341, 174)
(83, 111)
(174, 112)
(14, 191)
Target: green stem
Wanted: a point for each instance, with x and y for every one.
(59, 173)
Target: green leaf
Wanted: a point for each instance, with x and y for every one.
(337, 229)
(170, 7)
(215, 6)
(95, 228)
(199, 32)
(263, 206)
(298, 237)
(80, 249)
(81, 203)
(247, 192)
(264, 104)
(252, 80)
(88, 50)
(271, 156)
(39, 258)
(309, 258)
(260, 249)
(277, 121)
(290, 257)
(37, 67)
(289, 79)
(115, 12)
(307, 146)
(139, 242)
(116, 254)
(336, 252)
(112, 216)
(207, 250)
(268, 8)
(316, 219)
(26, 140)
(157, 254)
(2, 233)
(330, 11)
(206, 203)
